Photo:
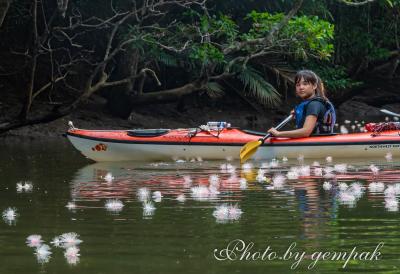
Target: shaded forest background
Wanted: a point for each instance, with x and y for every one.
(122, 61)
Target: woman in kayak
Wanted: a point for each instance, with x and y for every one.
(315, 114)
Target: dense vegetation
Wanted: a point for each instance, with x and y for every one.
(65, 51)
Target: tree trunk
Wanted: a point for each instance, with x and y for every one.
(164, 96)
(29, 94)
(4, 6)
(35, 47)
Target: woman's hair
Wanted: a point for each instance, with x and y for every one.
(312, 78)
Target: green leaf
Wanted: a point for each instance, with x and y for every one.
(214, 90)
(256, 85)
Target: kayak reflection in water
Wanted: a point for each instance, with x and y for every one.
(315, 114)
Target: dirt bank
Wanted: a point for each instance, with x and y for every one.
(93, 114)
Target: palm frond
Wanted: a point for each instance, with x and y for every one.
(256, 85)
(167, 59)
(214, 90)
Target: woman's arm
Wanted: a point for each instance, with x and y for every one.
(305, 131)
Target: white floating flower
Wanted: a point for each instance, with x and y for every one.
(340, 168)
(70, 239)
(148, 208)
(376, 187)
(356, 189)
(34, 240)
(187, 181)
(43, 254)
(374, 169)
(157, 196)
(347, 198)
(213, 191)
(343, 186)
(227, 168)
(261, 178)
(108, 178)
(397, 188)
(315, 164)
(278, 181)
(247, 167)
(72, 255)
(284, 159)
(329, 159)
(274, 163)
(71, 205)
(304, 171)
(243, 183)
(10, 215)
(143, 194)
(293, 173)
(221, 212)
(180, 161)
(57, 242)
(318, 171)
(214, 180)
(327, 186)
(224, 213)
(20, 187)
(114, 205)
(391, 204)
(343, 130)
(390, 192)
(235, 212)
(24, 187)
(200, 192)
(181, 198)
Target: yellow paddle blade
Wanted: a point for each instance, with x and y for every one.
(248, 150)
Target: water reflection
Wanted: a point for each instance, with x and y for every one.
(318, 189)
(175, 214)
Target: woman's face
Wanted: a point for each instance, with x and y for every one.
(305, 90)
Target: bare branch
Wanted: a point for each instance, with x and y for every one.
(169, 47)
(356, 4)
(48, 85)
(142, 73)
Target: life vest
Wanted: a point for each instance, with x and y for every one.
(328, 122)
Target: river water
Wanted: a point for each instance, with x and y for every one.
(213, 217)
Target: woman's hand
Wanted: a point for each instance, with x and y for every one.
(274, 132)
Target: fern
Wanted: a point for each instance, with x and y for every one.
(257, 86)
(167, 59)
(214, 90)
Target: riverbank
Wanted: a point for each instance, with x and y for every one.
(94, 114)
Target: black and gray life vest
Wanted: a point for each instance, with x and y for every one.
(328, 122)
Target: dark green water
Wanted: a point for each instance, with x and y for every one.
(185, 237)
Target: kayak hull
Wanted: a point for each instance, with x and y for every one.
(153, 152)
(104, 146)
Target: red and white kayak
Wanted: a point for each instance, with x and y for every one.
(196, 144)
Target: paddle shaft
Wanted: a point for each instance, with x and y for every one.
(390, 112)
(282, 124)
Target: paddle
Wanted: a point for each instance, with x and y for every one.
(251, 147)
(390, 112)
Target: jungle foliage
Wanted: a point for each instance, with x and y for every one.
(65, 51)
